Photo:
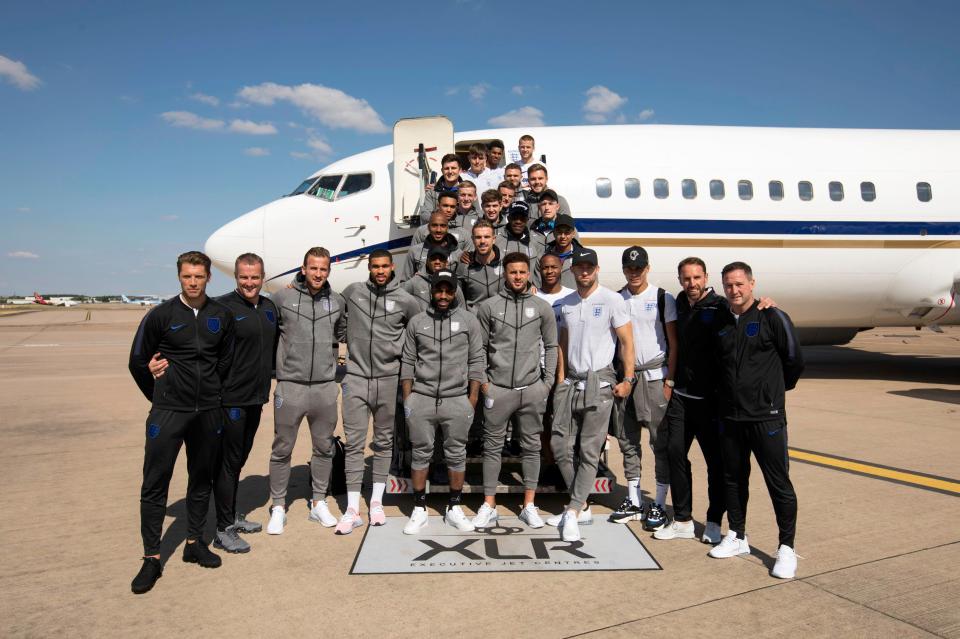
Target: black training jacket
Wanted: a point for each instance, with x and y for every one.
(697, 358)
(760, 359)
(255, 349)
(199, 349)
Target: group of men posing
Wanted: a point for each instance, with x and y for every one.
(525, 326)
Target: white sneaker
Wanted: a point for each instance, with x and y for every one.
(585, 518)
(278, 517)
(531, 516)
(487, 516)
(569, 530)
(676, 530)
(456, 518)
(320, 512)
(711, 533)
(730, 546)
(418, 520)
(786, 566)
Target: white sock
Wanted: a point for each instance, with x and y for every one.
(633, 490)
(353, 500)
(662, 493)
(377, 494)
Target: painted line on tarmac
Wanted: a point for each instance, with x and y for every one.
(934, 483)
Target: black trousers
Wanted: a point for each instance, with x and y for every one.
(166, 432)
(767, 440)
(240, 424)
(688, 419)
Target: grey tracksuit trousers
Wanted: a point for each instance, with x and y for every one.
(646, 406)
(581, 415)
(292, 402)
(361, 397)
(452, 414)
(528, 404)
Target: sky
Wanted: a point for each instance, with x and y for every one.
(130, 131)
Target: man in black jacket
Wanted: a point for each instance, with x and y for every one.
(195, 335)
(760, 359)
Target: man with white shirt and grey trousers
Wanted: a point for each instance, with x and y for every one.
(653, 315)
(592, 321)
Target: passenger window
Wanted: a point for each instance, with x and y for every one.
(836, 191)
(868, 191)
(776, 190)
(604, 187)
(661, 189)
(631, 188)
(805, 189)
(326, 187)
(924, 192)
(745, 189)
(716, 189)
(689, 189)
(355, 183)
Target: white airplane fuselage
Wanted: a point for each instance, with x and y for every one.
(845, 263)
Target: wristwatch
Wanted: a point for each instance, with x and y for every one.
(632, 380)
(669, 382)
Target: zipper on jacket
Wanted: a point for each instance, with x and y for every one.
(196, 362)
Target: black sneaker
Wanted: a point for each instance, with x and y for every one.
(626, 511)
(198, 553)
(150, 571)
(656, 518)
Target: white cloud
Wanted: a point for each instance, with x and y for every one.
(601, 104)
(522, 89)
(524, 116)
(256, 152)
(206, 99)
(129, 99)
(300, 155)
(478, 91)
(517, 89)
(169, 218)
(645, 115)
(188, 120)
(15, 72)
(252, 128)
(23, 255)
(330, 106)
(320, 146)
(452, 91)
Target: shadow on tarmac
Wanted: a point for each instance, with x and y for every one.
(933, 394)
(843, 362)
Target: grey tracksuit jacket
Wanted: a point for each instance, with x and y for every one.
(533, 201)
(513, 324)
(460, 227)
(480, 281)
(442, 352)
(566, 275)
(419, 287)
(417, 255)
(310, 327)
(377, 317)
(527, 243)
(430, 204)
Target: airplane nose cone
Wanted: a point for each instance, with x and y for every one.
(242, 235)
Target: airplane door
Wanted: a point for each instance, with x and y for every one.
(418, 146)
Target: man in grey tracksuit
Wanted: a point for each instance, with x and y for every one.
(312, 322)
(480, 277)
(513, 322)
(439, 237)
(378, 312)
(458, 222)
(442, 367)
(419, 285)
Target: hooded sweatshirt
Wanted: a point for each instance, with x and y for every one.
(442, 352)
(377, 317)
(480, 281)
(512, 323)
(417, 255)
(310, 328)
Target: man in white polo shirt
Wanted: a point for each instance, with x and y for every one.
(653, 314)
(591, 322)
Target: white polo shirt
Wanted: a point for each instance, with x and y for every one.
(591, 325)
(649, 342)
(484, 181)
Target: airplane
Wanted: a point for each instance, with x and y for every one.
(847, 229)
(141, 300)
(53, 301)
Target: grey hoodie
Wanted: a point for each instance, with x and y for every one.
(377, 316)
(460, 227)
(442, 352)
(417, 255)
(513, 324)
(419, 287)
(480, 281)
(310, 328)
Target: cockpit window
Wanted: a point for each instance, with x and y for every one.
(326, 187)
(304, 186)
(355, 183)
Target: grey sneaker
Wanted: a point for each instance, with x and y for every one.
(230, 541)
(244, 525)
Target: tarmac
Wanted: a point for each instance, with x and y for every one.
(876, 464)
